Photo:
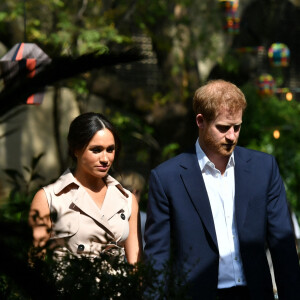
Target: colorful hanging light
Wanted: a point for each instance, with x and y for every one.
(231, 19)
(24, 60)
(266, 85)
(279, 55)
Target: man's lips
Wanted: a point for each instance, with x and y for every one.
(229, 145)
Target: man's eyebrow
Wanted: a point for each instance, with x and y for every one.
(229, 125)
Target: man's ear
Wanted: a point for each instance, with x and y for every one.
(200, 121)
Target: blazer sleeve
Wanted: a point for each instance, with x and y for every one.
(157, 229)
(281, 239)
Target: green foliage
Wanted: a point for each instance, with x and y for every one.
(104, 278)
(264, 115)
(65, 27)
(3, 16)
(80, 86)
(71, 277)
(16, 207)
(22, 182)
(152, 11)
(230, 64)
(161, 99)
(170, 150)
(132, 128)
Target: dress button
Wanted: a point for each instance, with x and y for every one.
(80, 247)
(123, 216)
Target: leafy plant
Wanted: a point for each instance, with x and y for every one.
(71, 277)
(22, 182)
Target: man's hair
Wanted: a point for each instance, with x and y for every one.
(216, 95)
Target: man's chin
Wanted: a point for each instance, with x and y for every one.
(227, 149)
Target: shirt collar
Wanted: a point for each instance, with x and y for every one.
(68, 178)
(204, 160)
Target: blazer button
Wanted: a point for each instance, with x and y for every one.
(123, 216)
(80, 248)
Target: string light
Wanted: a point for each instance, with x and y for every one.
(289, 96)
(276, 134)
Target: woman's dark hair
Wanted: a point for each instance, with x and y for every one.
(83, 128)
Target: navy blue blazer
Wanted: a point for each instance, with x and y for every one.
(179, 221)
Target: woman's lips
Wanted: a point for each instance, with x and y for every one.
(102, 168)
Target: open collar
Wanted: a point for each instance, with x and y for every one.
(68, 178)
(115, 199)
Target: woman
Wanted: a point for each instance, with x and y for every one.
(86, 211)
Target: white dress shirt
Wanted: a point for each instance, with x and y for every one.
(221, 191)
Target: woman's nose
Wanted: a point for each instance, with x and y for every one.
(103, 156)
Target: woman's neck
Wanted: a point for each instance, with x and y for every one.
(92, 183)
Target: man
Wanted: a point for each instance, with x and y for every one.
(215, 209)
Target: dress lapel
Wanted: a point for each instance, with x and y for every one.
(192, 179)
(116, 202)
(115, 199)
(89, 207)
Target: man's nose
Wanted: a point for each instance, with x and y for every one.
(230, 134)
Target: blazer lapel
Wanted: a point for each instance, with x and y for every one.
(243, 186)
(192, 179)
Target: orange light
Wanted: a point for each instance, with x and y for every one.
(289, 96)
(276, 134)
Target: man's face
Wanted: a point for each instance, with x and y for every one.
(219, 137)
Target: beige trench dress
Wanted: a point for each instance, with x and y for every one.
(79, 226)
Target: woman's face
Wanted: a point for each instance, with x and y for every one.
(96, 159)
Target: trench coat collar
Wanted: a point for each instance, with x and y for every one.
(115, 198)
(68, 178)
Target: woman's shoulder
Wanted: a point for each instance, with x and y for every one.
(62, 183)
(61, 189)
